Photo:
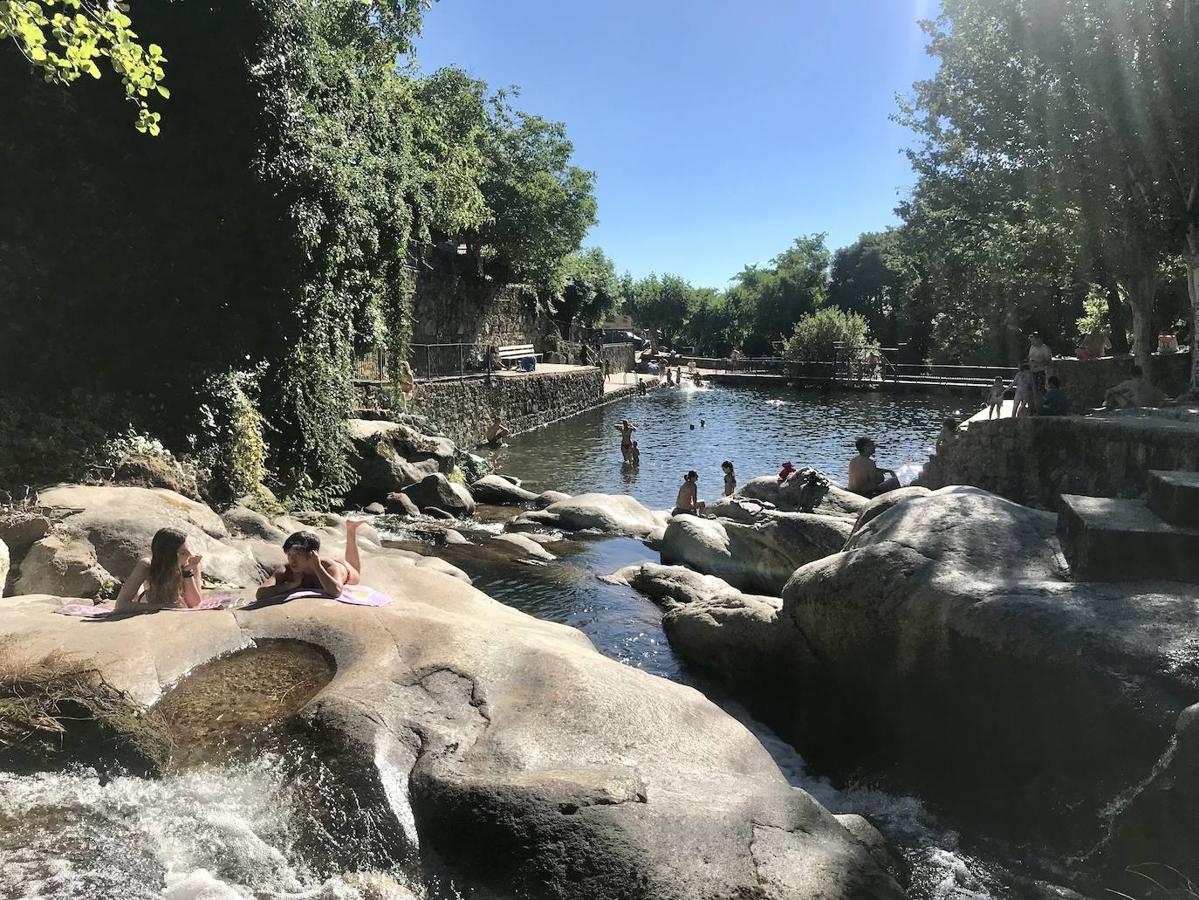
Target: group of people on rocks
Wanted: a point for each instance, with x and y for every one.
(171, 576)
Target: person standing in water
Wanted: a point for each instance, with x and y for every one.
(730, 477)
(626, 429)
(688, 499)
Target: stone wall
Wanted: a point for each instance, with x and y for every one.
(448, 309)
(1032, 460)
(1085, 381)
(464, 410)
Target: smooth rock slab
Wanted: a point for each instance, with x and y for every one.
(499, 491)
(521, 758)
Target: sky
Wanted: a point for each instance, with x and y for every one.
(718, 132)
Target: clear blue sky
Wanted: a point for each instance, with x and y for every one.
(719, 132)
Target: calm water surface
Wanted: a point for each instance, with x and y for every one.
(757, 428)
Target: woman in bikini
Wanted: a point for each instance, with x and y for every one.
(168, 579)
(307, 570)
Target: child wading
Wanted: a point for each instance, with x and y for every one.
(730, 478)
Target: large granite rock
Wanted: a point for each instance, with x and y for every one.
(609, 513)
(103, 531)
(838, 502)
(390, 456)
(947, 648)
(438, 492)
(755, 555)
(505, 748)
(499, 491)
(4, 566)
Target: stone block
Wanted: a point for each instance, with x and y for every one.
(1174, 496)
(1107, 539)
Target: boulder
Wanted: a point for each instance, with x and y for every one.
(523, 547)
(119, 523)
(375, 509)
(610, 514)
(946, 648)
(5, 563)
(758, 556)
(389, 456)
(838, 502)
(504, 747)
(534, 520)
(400, 504)
(548, 498)
(499, 491)
(439, 492)
(64, 567)
(884, 502)
(246, 522)
(434, 512)
(21, 531)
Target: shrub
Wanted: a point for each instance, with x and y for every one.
(830, 332)
(231, 447)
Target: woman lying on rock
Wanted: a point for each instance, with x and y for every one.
(169, 579)
(307, 570)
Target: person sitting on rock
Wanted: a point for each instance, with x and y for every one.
(626, 429)
(1094, 345)
(1055, 402)
(307, 570)
(730, 477)
(688, 500)
(865, 477)
(495, 437)
(786, 471)
(1136, 391)
(949, 434)
(169, 579)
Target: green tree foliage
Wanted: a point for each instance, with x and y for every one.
(1091, 101)
(541, 205)
(774, 297)
(830, 333)
(593, 292)
(865, 280)
(662, 305)
(715, 325)
(66, 39)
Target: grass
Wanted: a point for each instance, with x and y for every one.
(57, 709)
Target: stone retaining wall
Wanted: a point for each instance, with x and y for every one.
(464, 410)
(1033, 460)
(1085, 381)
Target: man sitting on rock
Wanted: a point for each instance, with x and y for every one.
(1136, 391)
(307, 570)
(865, 477)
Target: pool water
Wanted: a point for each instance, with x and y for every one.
(757, 428)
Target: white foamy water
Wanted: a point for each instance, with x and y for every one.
(206, 834)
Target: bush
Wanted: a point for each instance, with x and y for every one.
(133, 458)
(830, 332)
(231, 447)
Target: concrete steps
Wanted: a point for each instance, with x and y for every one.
(1175, 497)
(1106, 539)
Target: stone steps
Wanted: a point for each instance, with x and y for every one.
(1175, 497)
(1106, 539)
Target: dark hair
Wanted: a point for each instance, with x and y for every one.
(861, 442)
(950, 422)
(304, 541)
(691, 475)
(727, 464)
(1054, 381)
(1137, 371)
(164, 580)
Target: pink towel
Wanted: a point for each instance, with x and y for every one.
(354, 594)
(87, 611)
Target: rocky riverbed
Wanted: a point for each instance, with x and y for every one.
(936, 640)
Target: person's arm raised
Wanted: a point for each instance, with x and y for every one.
(133, 584)
(193, 585)
(330, 583)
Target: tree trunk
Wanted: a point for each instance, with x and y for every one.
(1192, 260)
(1142, 291)
(1115, 316)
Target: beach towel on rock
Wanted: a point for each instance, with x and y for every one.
(353, 594)
(87, 611)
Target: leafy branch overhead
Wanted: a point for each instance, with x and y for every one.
(66, 39)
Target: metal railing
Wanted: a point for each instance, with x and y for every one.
(433, 362)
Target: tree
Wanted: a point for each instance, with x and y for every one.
(774, 297)
(593, 292)
(715, 325)
(863, 281)
(80, 34)
(662, 305)
(541, 205)
(829, 334)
